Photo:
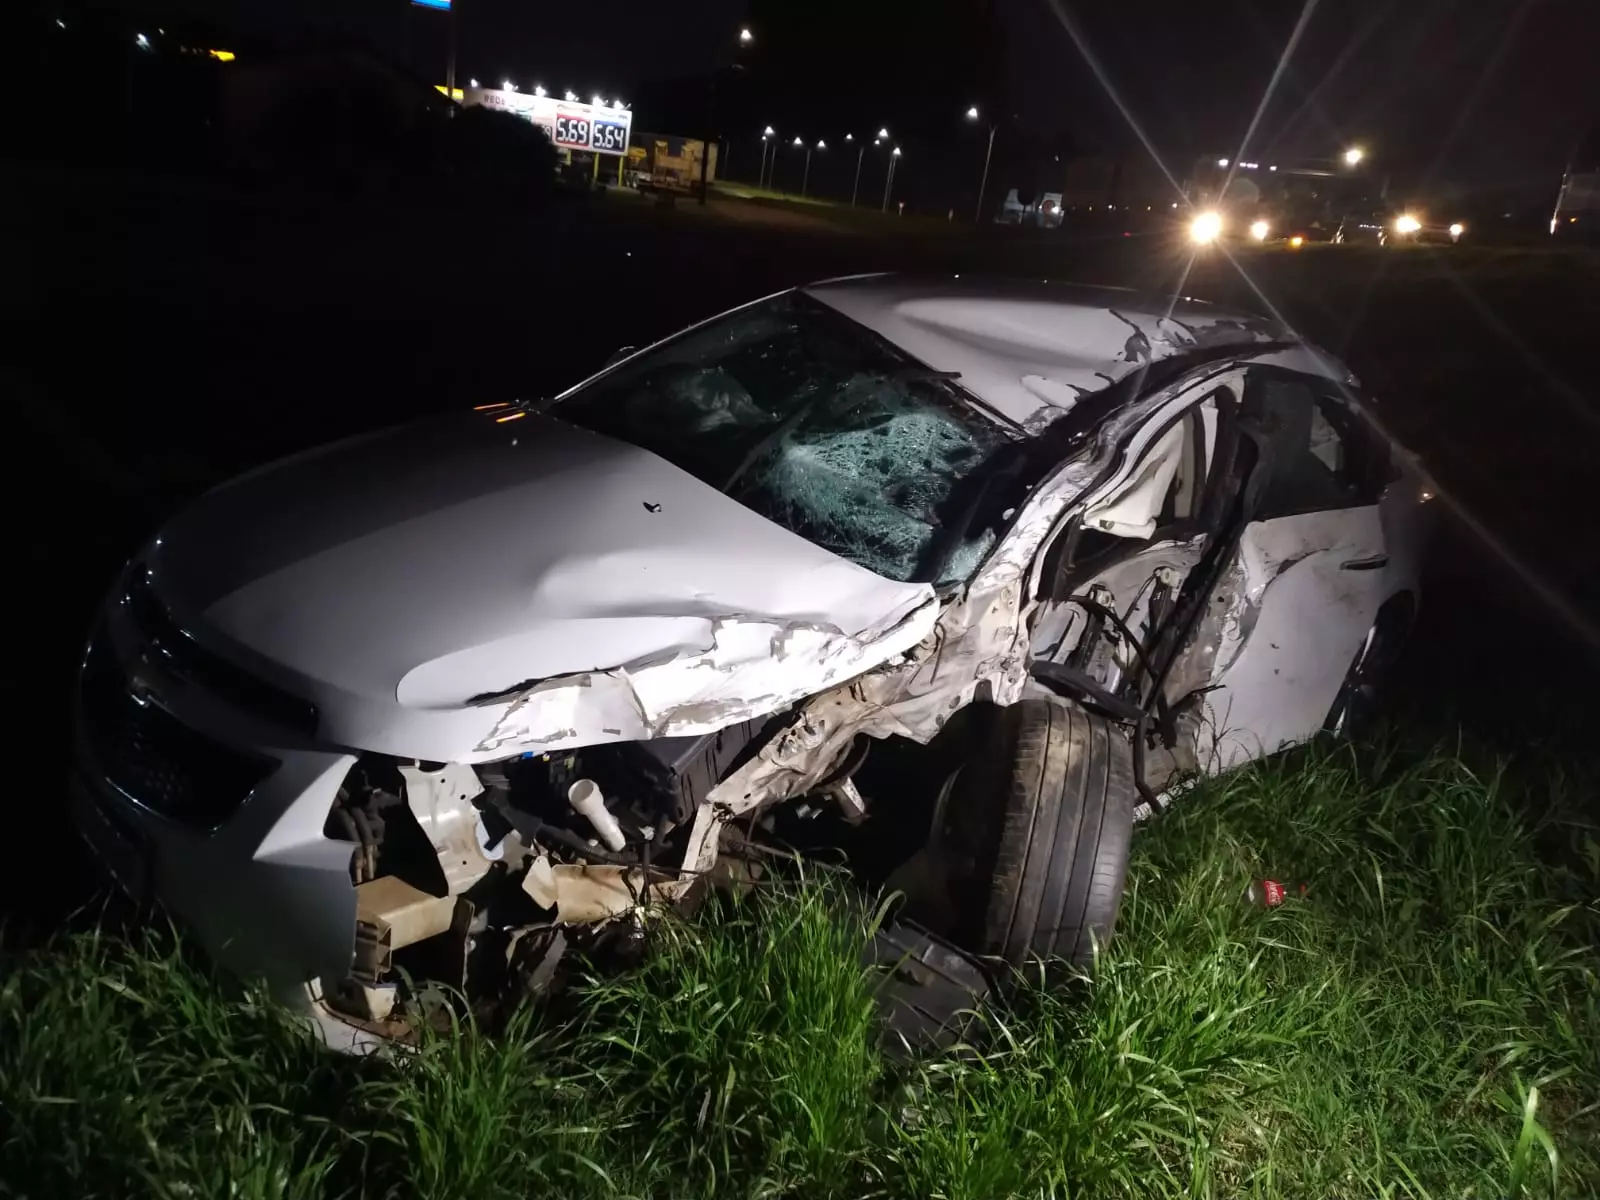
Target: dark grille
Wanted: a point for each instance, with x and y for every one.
(181, 656)
(153, 758)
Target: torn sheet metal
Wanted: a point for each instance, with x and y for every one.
(980, 644)
(752, 668)
(1129, 586)
(441, 800)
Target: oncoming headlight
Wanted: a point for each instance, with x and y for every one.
(1259, 230)
(1205, 228)
(1406, 223)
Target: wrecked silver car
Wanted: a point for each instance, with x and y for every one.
(434, 703)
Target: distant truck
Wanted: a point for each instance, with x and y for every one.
(671, 165)
(1045, 211)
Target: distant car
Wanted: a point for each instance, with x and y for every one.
(1304, 232)
(1361, 229)
(435, 703)
(1045, 212)
(1410, 229)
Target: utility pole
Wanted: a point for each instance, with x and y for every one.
(984, 182)
(450, 67)
(745, 40)
(888, 182)
(856, 187)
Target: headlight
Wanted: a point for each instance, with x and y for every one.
(1457, 229)
(1205, 228)
(1297, 241)
(1407, 224)
(1259, 230)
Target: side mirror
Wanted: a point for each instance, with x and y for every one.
(617, 355)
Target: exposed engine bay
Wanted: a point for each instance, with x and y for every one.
(479, 878)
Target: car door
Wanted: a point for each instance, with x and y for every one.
(1126, 556)
(1307, 578)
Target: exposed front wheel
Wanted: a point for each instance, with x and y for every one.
(1047, 809)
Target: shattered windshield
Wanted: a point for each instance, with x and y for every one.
(822, 427)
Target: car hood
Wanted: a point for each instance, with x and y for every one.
(470, 561)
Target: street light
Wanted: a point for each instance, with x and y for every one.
(767, 135)
(746, 37)
(983, 184)
(472, 83)
(1354, 155)
(884, 134)
(538, 89)
(888, 182)
(507, 86)
(805, 178)
(141, 41)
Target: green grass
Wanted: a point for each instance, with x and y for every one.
(1425, 1022)
(751, 191)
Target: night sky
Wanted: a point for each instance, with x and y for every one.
(1484, 93)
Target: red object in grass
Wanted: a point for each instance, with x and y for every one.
(1269, 893)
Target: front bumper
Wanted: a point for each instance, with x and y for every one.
(263, 890)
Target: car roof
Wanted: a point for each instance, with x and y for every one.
(1031, 349)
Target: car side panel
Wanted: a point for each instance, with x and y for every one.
(1301, 595)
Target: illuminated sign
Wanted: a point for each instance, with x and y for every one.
(570, 124)
(442, 5)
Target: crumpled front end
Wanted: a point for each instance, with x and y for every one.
(357, 881)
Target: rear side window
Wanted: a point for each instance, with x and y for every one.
(1319, 455)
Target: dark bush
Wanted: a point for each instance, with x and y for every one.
(497, 152)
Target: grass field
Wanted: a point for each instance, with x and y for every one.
(1422, 1023)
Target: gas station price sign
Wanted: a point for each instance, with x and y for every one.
(599, 129)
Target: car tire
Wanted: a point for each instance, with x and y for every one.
(1356, 709)
(1048, 808)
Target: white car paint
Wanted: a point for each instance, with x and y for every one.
(415, 583)
(471, 590)
(1311, 593)
(1031, 350)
